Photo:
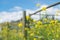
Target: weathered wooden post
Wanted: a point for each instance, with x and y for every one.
(40, 16)
(53, 17)
(24, 21)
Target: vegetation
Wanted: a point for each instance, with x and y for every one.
(39, 30)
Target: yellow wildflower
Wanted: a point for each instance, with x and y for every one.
(44, 8)
(36, 26)
(54, 21)
(35, 39)
(38, 4)
(57, 35)
(31, 34)
(53, 39)
(20, 24)
(34, 20)
(27, 17)
(39, 22)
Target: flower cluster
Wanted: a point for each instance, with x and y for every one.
(38, 30)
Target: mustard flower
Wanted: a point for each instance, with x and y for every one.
(44, 8)
(20, 25)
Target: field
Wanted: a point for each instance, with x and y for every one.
(39, 30)
(29, 20)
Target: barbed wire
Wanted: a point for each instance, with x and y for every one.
(46, 8)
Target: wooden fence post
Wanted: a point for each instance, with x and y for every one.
(24, 21)
(53, 17)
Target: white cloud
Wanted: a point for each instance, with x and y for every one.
(10, 16)
(16, 8)
(17, 13)
(28, 11)
(50, 11)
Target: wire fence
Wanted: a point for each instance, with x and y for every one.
(13, 31)
(53, 17)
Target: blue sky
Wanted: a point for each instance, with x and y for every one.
(5, 5)
(12, 10)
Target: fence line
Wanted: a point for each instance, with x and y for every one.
(24, 14)
(46, 8)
